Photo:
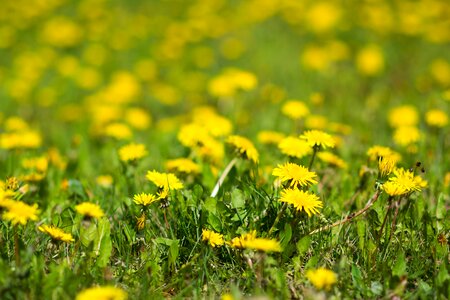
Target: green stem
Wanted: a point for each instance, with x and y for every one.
(223, 176)
(16, 246)
(315, 148)
(277, 219)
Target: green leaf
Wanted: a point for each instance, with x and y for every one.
(399, 267)
(303, 245)
(376, 288)
(357, 278)
(215, 222)
(211, 205)
(237, 198)
(87, 235)
(286, 235)
(440, 207)
(312, 262)
(442, 276)
(361, 229)
(173, 253)
(102, 244)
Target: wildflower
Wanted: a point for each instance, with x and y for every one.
(138, 118)
(332, 159)
(302, 200)
(144, 199)
(140, 222)
(270, 137)
(119, 131)
(230, 81)
(214, 124)
(436, 118)
(386, 164)
(90, 210)
(104, 181)
(296, 174)
(183, 165)
(323, 16)
(20, 212)
(244, 146)
(295, 109)
(102, 293)
(40, 164)
(215, 239)
(370, 60)
(322, 278)
(406, 135)
(405, 115)
(165, 181)
(56, 233)
(377, 151)
(250, 241)
(132, 152)
(403, 182)
(294, 147)
(316, 138)
(316, 122)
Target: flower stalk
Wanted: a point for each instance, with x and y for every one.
(223, 176)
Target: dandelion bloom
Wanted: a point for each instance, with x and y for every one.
(436, 118)
(20, 212)
(104, 181)
(144, 199)
(250, 241)
(370, 60)
(403, 182)
(90, 210)
(406, 135)
(375, 152)
(302, 200)
(182, 165)
(318, 138)
(244, 146)
(102, 293)
(295, 109)
(322, 278)
(332, 159)
(386, 164)
(270, 137)
(56, 233)
(119, 131)
(297, 175)
(405, 115)
(294, 147)
(215, 239)
(132, 152)
(166, 181)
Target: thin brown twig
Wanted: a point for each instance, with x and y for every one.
(351, 216)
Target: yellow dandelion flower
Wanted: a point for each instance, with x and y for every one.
(386, 164)
(144, 199)
(215, 239)
(405, 115)
(192, 135)
(332, 159)
(102, 293)
(214, 124)
(165, 181)
(317, 138)
(56, 233)
(90, 210)
(403, 182)
(436, 118)
(119, 131)
(182, 165)
(295, 109)
(250, 241)
(19, 212)
(244, 146)
(406, 135)
(262, 244)
(294, 147)
(40, 164)
(322, 278)
(138, 118)
(377, 151)
(370, 60)
(270, 137)
(238, 242)
(316, 122)
(297, 175)
(104, 181)
(302, 200)
(132, 152)
(140, 222)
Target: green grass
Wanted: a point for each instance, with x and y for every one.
(409, 259)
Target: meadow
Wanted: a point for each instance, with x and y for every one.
(213, 149)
